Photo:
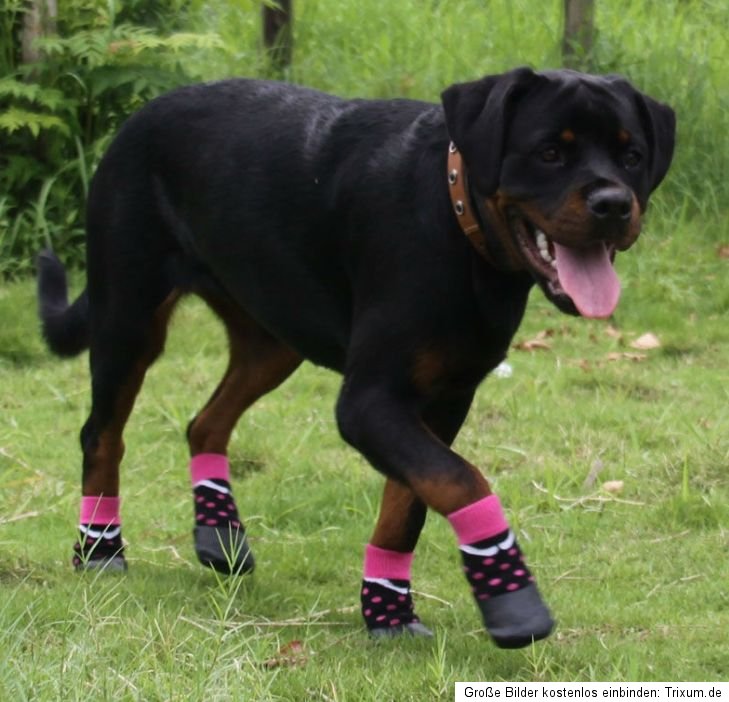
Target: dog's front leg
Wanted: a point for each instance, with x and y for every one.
(387, 605)
(386, 426)
(401, 519)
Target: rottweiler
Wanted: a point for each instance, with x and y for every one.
(392, 241)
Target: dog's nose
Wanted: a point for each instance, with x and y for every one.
(610, 203)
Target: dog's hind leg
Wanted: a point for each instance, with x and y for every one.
(258, 364)
(127, 336)
(387, 605)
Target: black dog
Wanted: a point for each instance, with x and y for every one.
(333, 230)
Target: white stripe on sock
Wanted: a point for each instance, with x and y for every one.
(389, 585)
(95, 533)
(213, 486)
(504, 545)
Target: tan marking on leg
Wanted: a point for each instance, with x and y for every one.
(102, 477)
(258, 364)
(445, 494)
(401, 518)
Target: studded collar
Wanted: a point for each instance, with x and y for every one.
(468, 212)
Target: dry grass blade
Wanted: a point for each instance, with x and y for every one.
(575, 502)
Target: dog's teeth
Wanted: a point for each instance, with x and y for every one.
(542, 241)
(543, 246)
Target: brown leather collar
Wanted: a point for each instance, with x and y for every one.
(467, 216)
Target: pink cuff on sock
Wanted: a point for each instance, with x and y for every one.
(381, 563)
(100, 510)
(209, 466)
(479, 520)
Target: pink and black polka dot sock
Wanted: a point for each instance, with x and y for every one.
(100, 544)
(387, 604)
(495, 566)
(214, 504)
(503, 587)
(220, 540)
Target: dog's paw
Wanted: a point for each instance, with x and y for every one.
(99, 548)
(516, 619)
(224, 549)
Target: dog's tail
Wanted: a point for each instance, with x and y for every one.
(65, 326)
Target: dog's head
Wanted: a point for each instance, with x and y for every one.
(562, 164)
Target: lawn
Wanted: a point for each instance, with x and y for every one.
(608, 442)
(611, 460)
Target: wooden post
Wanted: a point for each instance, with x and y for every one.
(277, 33)
(579, 33)
(39, 20)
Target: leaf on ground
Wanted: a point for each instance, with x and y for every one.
(613, 333)
(538, 343)
(626, 356)
(613, 486)
(723, 251)
(646, 342)
(290, 655)
(584, 364)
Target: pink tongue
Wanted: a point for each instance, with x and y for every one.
(588, 277)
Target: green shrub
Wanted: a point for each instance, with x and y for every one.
(56, 115)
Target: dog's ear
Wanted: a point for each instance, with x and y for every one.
(659, 122)
(477, 115)
(659, 125)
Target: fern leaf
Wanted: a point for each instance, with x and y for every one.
(14, 119)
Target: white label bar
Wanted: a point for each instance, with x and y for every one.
(518, 691)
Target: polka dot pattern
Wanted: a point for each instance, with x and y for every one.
(215, 508)
(496, 574)
(383, 607)
(89, 548)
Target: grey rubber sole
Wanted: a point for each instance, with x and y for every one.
(391, 632)
(224, 550)
(517, 619)
(115, 564)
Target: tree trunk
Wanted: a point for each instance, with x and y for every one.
(579, 32)
(278, 35)
(39, 20)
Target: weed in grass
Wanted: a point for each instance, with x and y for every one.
(227, 586)
(438, 669)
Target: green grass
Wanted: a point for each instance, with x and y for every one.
(636, 579)
(676, 50)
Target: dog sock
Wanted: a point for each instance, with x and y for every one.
(502, 585)
(492, 560)
(387, 605)
(220, 540)
(100, 543)
(214, 503)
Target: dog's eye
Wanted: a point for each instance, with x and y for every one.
(550, 154)
(632, 158)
